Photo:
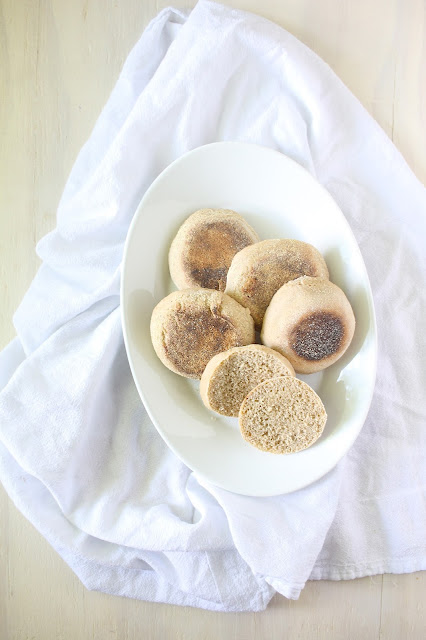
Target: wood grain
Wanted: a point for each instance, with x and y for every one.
(59, 62)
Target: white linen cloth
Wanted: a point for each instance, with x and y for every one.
(78, 454)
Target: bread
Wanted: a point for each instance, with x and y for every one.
(259, 270)
(189, 327)
(229, 376)
(310, 321)
(282, 415)
(204, 246)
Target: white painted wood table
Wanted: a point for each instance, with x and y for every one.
(59, 61)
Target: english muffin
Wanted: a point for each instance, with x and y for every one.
(189, 327)
(229, 376)
(311, 322)
(259, 270)
(204, 246)
(282, 415)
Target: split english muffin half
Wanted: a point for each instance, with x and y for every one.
(231, 375)
(282, 415)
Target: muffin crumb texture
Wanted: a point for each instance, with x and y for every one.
(231, 375)
(282, 415)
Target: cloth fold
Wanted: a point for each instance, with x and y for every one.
(78, 453)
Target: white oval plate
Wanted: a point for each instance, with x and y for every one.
(280, 199)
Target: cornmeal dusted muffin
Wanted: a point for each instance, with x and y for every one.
(311, 322)
(204, 246)
(259, 270)
(189, 327)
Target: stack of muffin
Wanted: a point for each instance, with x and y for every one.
(232, 285)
